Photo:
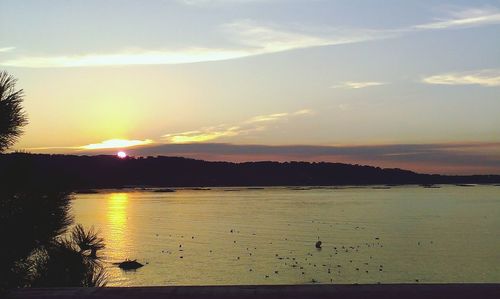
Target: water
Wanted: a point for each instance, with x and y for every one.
(268, 236)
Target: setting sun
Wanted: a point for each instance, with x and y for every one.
(121, 155)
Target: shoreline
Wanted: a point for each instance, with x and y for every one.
(158, 189)
(407, 291)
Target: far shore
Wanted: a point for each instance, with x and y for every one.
(167, 189)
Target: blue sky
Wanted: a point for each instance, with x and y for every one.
(259, 72)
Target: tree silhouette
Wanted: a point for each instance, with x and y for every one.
(34, 217)
(12, 116)
(75, 256)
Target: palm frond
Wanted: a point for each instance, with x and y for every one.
(12, 115)
(87, 240)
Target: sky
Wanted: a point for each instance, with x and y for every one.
(408, 84)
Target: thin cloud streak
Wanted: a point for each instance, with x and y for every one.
(250, 39)
(272, 39)
(206, 134)
(465, 18)
(116, 143)
(488, 78)
(191, 55)
(106, 144)
(6, 49)
(254, 124)
(357, 85)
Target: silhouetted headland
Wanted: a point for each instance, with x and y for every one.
(104, 171)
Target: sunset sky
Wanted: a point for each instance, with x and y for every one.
(410, 84)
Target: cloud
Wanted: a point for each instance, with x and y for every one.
(488, 78)
(247, 39)
(138, 57)
(266, 118)
(357, 85)
(104, 145)
(115, 143)
(303, 112)
(256, 123)
(6, 49)
(271, 38)
(465, 18)
(206, 134)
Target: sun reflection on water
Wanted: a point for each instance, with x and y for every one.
(116, 212)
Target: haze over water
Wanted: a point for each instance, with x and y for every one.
(268, 236)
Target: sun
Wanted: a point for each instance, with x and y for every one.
(121, 154)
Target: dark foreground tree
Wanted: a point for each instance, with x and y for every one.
(34, 218)
(75, 256)
(12, 116)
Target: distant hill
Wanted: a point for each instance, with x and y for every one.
(78, 172)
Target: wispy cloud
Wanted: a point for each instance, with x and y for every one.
(106, 144)
(249, 38)
(465, 18)
(137, 57)
(6, 49)
(357, 85)
(488, 78)
(205, 134)
(256, 123)
(271, 38)
(116, 143)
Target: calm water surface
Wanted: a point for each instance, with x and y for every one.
(267, 236)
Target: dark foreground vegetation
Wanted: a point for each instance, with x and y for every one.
(36, 249)
(81, 172)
